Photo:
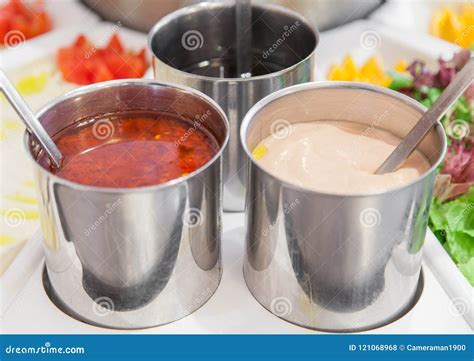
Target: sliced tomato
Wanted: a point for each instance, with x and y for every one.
(30, 20)
(82, 63)
(115, 44)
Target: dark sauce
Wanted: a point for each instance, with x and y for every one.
(132, 149)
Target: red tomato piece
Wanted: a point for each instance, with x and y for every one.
(25, 22)
(83, 63)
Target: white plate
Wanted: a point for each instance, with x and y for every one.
(47, 45)
(412, 16)
(362, 39)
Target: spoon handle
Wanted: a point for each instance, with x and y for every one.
(243, 32)
(452, 92)
(31, 122)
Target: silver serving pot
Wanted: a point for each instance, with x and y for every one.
(196, 46)
(144, 14)
(132, 257)
(327, 261)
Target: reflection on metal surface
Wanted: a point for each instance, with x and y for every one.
(129, 258)
(143, 14)
(343, 262)
(196, 46)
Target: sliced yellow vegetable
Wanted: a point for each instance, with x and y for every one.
(259, 151)
(21, 198)
(13, 125)
(350, 68)
(336, 73)
(372, 67)
(32, 84)
(28, 215)
(455, 27)
(371, 71)
(4, 240)
(401, 66)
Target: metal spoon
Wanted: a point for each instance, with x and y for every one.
(31, 122)
(452, 92)
(243, 33)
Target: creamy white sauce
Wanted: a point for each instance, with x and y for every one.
(336, 157)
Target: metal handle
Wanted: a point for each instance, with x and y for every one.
(243, 31)
(31, 122)
(452, 92)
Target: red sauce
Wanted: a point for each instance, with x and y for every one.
(132, 150)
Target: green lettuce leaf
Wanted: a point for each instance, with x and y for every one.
(453, 224)
(467, 270)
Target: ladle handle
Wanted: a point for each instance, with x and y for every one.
(452, 92)
(243, 31)
(31, 123)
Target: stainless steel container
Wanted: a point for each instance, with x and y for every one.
(196, 46)
(135, 257)
(335, 262)
(144, 14)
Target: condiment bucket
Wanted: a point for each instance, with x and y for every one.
(196, 46)
(327, 261)
(132, 257)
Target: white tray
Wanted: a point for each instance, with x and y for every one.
(27, 309)
(411, 16)
(45, 46)
(450, 277)
(232, 309)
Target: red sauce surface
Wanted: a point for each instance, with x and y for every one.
(132, 150)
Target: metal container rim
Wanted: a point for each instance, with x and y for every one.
(88, 89)
(221, 5)
(247, 121)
